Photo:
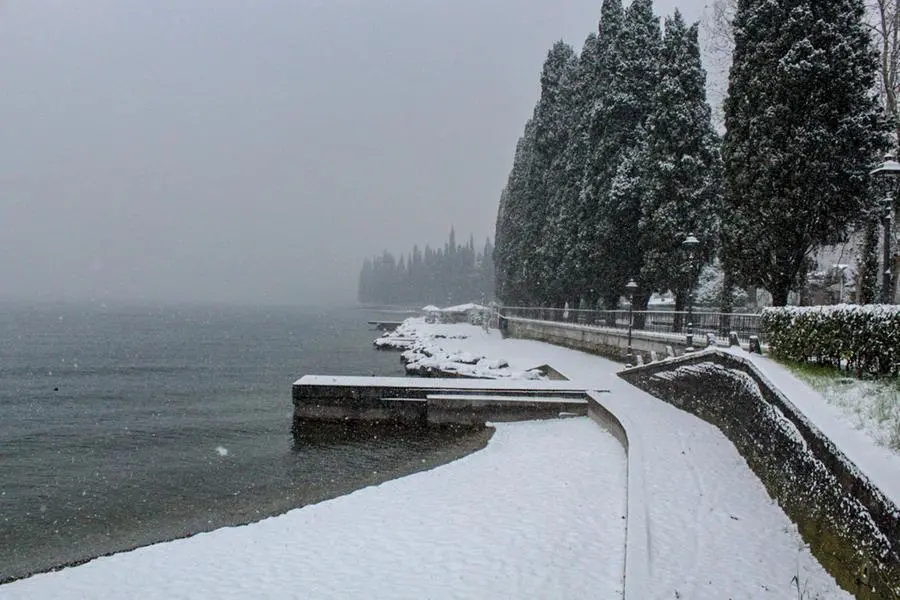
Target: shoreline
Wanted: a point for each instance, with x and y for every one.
(456, 444)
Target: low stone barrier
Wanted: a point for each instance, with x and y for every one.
(851, 527)
(610, 343)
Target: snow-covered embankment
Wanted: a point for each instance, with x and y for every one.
(428, 351)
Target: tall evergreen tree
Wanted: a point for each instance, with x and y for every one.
(560, 113)
(569, 211)
(632, 66)
(552, 115)
(512, 221)
(588, 251)
(683, 167)
(437, 277)
(802, 127)
(524, 217)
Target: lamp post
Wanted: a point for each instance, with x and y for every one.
(890, 168)
(630, 288)
(690, 244)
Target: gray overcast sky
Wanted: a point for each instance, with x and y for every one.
(257, 151)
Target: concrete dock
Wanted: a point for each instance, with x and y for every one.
(429, 401)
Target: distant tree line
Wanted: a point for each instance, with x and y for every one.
(620, 162)
(452, 275)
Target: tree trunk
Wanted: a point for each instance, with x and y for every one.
(780, 296)
(867, 278)
(726, 303)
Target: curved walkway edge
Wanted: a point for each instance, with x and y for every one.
(637, 549)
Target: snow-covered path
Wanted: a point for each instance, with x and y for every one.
(713, 530)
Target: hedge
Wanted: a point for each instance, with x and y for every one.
(863, 338)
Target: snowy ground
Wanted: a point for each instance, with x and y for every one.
(427, 353)
(537, 514)
(871, 406)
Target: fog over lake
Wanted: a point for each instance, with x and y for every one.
(256, 152)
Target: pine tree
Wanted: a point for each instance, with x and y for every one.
(802, 128)
(683, 167)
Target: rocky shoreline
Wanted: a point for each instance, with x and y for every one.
(424, 352)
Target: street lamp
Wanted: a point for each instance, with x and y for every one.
(630, 288)
(890, 168)
(690, 244)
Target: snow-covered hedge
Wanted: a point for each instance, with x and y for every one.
(864, 338)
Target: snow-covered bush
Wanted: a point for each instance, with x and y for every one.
(864, 338)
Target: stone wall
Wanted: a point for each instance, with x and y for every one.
(851, 527)
(612, 344)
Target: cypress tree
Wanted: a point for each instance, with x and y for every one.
(631, 63)
(589, 251)
(509, 250)
(803, 126)
(683, 166)
(551, 130)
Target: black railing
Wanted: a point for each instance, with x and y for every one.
(717, 324)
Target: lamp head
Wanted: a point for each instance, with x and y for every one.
(690, 242)
(631, 287)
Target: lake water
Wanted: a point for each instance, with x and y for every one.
(125, 425)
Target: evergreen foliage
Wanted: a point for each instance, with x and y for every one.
(683, 167)
(452, 275)
(618, 164)
(803, 126)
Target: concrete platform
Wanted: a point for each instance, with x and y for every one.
(432, 401)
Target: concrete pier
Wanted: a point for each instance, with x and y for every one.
(429, 401)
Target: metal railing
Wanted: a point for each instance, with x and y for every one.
(717, 324)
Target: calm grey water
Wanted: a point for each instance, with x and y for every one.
(121, 426)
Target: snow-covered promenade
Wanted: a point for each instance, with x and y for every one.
(538, 514)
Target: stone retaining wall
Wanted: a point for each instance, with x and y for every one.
(851, 527)
(612, 344)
